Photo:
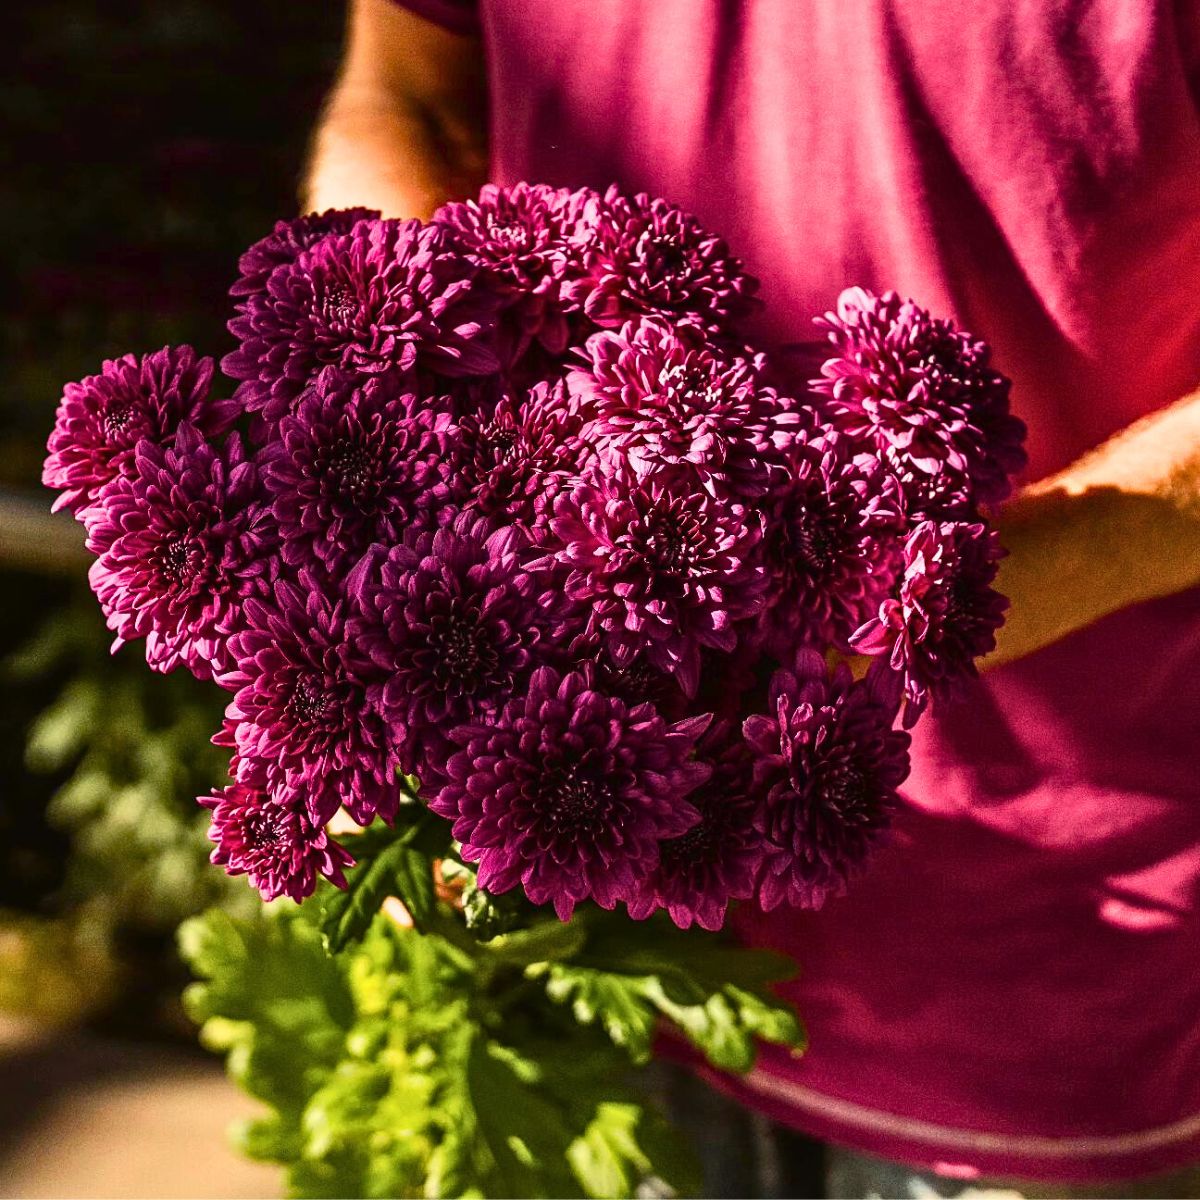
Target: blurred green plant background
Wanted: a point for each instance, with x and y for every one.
(147, 143)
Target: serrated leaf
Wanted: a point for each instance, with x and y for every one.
(606, 1157)
(617, 1003)
(266, 1139)
(715, 992)
(389, 863)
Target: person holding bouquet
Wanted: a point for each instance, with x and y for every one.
(1010, 992)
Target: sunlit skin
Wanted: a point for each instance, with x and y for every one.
(405, 129)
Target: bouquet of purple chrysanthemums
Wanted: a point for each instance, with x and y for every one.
(506, 520)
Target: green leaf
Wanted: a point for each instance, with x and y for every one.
(717, 993)
(271, 998)
(621, 1138)
(404, 1067)
(618, 1003)
(487, 915)
(523, 1129)
(545, 941)
(390, 862)
(606, 1157)
(61, 731)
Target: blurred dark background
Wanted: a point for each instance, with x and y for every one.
(144, 146)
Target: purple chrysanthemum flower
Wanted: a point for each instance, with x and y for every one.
(361, 461)
(300, 709)
(454, 623)
(656, 395)
(827, 766)
(719, 858)
(660, 567)
(944, 614)
(832, 545)
(520, 237)
(643, 255)
(518, 456)
(288, 240)
(271, 838)
(569, 792)
(385, 295)
(636, 683)
(103, 417)
(182, 539)
(924, 396)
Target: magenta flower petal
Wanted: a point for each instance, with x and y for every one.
(656, 395)
(568, 792)
(944, 613)
(102, 418)
(521, 237)
(270, 837)
(517, 456)
(827, 766)
(288, 240)
(454, 624)
(362, 461)
(387, 294)
(832, 545)
(924, 396)
(659, 567)
(182, 541)
(643, 255)
(300, 710)
(718, 860)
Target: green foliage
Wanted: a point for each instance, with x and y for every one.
(394, 1068)
(51, 971)
(491, 1050)
(389, 863)
(125, 753)
(715, 992)
(440, 1061)
(133, 752)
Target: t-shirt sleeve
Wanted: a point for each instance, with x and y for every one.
(459, 16)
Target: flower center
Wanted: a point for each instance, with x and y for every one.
(573, 802)
(310, 703)
(465, 658)
(698, 844)
(179, 559)
(689, 384)
(339, 305)
(961, 612)
(665, 252)
(351, 467)
(265, 830)
(670, 542)
(502, 441)
(509, 234)
(117, 418)
(812, 538)
(638, 683)
(844, 791)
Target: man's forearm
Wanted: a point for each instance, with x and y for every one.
(379, 153)
(1119, 527)
(404, 128)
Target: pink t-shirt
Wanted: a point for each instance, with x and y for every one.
(1015, 986)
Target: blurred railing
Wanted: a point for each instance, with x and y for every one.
(33, 538)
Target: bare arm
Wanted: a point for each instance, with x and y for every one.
(1118, 527)
(404, 128)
